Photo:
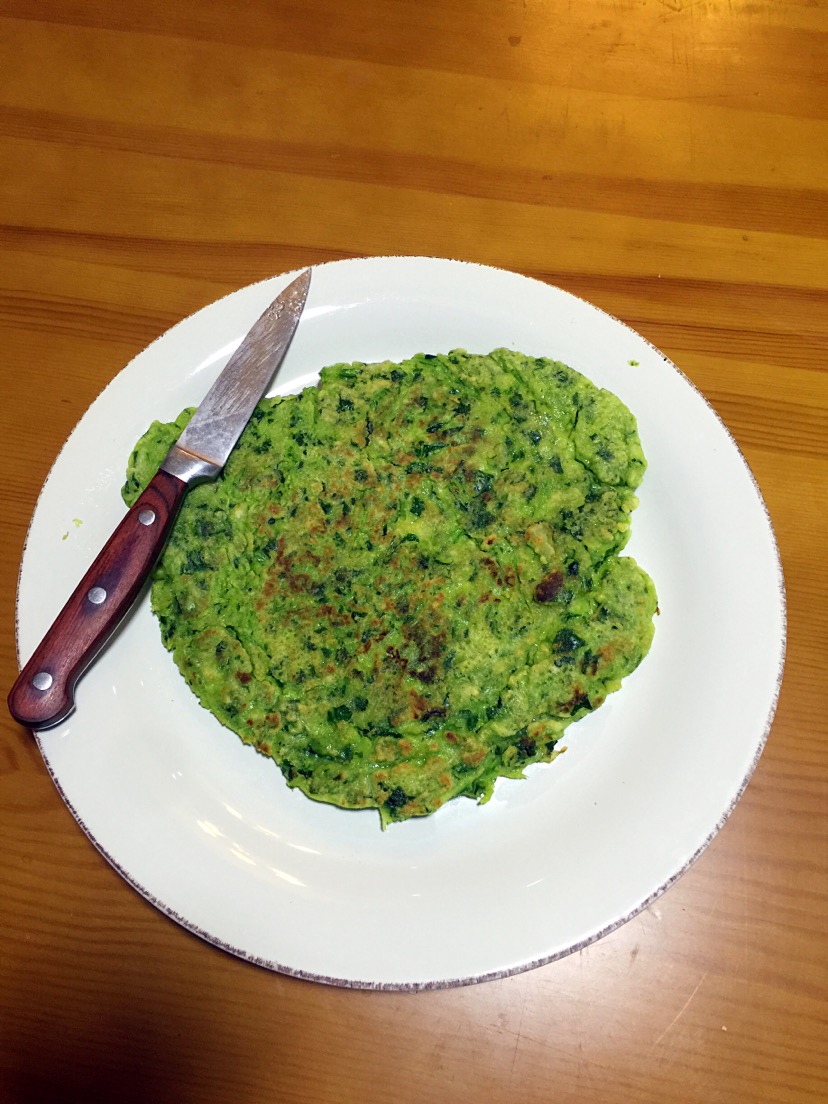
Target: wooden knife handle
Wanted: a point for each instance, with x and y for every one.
(44, 692)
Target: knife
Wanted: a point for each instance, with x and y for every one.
(43, 694)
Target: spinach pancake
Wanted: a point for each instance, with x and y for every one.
(407, 580)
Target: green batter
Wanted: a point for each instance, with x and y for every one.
(406, 582)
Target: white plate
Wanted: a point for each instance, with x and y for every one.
(207, 829)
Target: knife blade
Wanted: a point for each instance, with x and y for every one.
(44, 692)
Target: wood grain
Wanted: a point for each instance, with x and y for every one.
(665, 159)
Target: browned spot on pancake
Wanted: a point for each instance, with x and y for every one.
(527, 745)
(589, 664)
(418, 705)
(283, 571)
(439, 711)
(474, 758)
(549, 587)
(579, 700)
(335, 616)
(503, 576)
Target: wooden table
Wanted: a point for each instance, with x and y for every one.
(667, 160)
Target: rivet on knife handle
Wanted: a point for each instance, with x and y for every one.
(43, 694)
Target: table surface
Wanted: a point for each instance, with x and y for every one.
(665, 159)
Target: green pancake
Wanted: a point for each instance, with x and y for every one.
(406, 582)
